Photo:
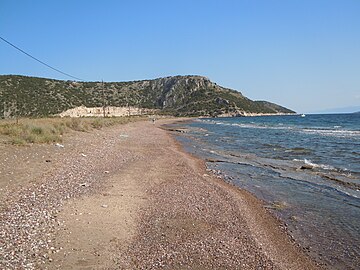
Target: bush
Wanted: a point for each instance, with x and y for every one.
(97, 123)
(50, 130)
(77, 124)
(37, 130)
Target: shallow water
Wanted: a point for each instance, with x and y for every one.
(307, 169)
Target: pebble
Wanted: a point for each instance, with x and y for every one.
(28, 215)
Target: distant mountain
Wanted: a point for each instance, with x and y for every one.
(349, 109)
(176, 95)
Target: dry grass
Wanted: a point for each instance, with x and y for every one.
(50, 130)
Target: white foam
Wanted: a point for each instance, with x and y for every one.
(322, 166)
(334, 133)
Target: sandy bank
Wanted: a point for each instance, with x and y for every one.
(128, 197)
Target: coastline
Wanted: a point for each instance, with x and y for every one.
(142, 202)
(281, 161)
(248, 114)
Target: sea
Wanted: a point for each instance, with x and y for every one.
(306, 169)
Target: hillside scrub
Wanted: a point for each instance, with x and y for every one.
(189, 95)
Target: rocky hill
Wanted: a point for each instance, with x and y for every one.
(176, 95)
(272, 106)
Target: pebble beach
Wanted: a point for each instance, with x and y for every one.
(129, 197)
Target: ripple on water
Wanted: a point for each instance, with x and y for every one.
(309, 164)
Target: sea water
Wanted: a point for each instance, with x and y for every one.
(305, 169)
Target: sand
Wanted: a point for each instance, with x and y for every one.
(128, 197)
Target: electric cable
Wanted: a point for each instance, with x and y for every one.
(64, 73)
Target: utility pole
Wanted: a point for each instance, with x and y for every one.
(127, 104)
(16, 112)
(103, 93)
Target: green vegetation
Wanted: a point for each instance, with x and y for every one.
(22, 96)
(51, 130)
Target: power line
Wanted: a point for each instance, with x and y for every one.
(40, 60)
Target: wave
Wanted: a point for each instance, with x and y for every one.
(335, 131)
(338, 184)
(322, 166)
(299, 150)
(246, 125)
(343, 133)
(315, 165)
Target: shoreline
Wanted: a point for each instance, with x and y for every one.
(247, 114)
(141, 202)
(281, 228)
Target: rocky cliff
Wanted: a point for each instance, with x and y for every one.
(176, 95)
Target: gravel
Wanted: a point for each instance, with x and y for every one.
(190, 221)
(183, 229)
(28, 215)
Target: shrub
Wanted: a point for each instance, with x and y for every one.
(50, 130)
(97, 123)
(37, 130)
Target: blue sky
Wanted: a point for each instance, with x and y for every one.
(301, 54)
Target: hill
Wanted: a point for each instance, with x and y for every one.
(176, 95)
(349, 109)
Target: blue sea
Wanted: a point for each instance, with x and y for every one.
(305, 169)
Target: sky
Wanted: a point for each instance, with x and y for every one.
(304, 55)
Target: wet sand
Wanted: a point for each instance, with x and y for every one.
(128, 197)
